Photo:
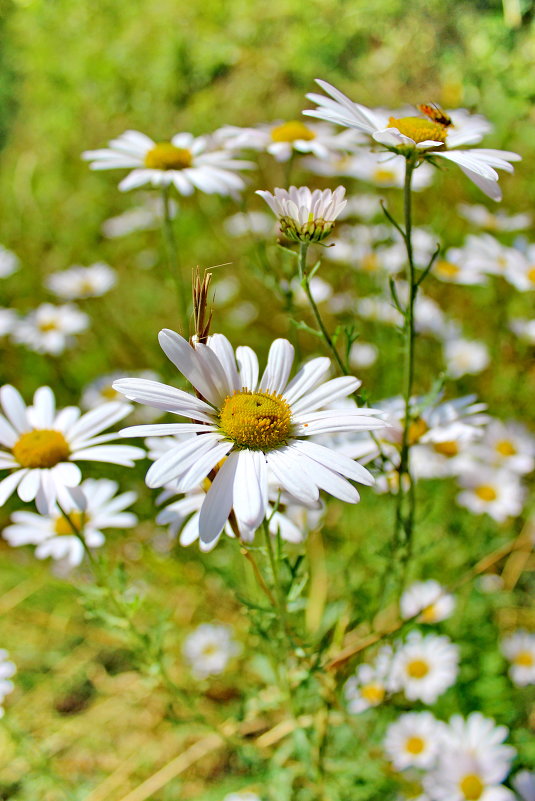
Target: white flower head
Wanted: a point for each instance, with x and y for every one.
(479, 737)
(7, 670)
(487, 490)
(305, 216)
(9, 262)
(427, 599)
(507, 444)
(524, 784)
(363, 354)
(8, 321)
(242, 796)
(98, 507)
(82, 282)
(524, 329)
(370, 684)
(209, 648)
(380, 169)
(413, 740)
(434, 135)
(40, 447)
(493, 221)
(101, 391)
(424, 666)
(464, 356)
(460, 777)
(519, 649)
(186, 162)
(261, 425)
(49, 328)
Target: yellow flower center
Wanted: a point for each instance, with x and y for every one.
(165, 156)
(291, 131)
(45, 327)
(531, 275)
(524, 659)
(417, 669)
(429, 614)
(448, 448)
(472, 787)
(486, 493)
(416, 430)
(256, 420)
(63, 528)
(447, 268)
(370, 262)
(505, 447)
(41, 448)
(383, 175)
(419, 130)
(415, 745)
(109, 392)
(373, 693)
(210, 649)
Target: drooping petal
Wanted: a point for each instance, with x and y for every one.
(218, 502)
(186, 359)
(250, 488)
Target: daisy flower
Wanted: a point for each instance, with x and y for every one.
(261, 426)
(519, 649)
(524, 784)
(478, 737)
(40, 447)
(507, 444)
(8, 321)
(305, 216)
(82, 282)
(49, 328)
(429, 600)
(383, 170)
(9, 262)
(430, 137)
(242, 797)
(209, 648)
(485, 490)
(493, 221)
(101, 391)
(425, 666)
(54, 536)
(7, 670)
(524, 329)
(413, 740)
(456, 268)
(520, 272)
(186, 162)
(139, 218)
(460, 777)
(363, 354)
(464, 356)
(370, 684)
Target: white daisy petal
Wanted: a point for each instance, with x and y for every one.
(218, 502)
(307, 378)
(280, 360)
(14, 408)
(180, 458)
(202, 466)
(250, 488)
(285, 466)
(327, 393)
(186, 359)
(248, 367)
(9, 484)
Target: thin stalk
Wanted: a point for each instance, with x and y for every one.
(173, 261)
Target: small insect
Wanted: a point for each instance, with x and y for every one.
(435, 113)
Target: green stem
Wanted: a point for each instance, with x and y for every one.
(173, 261)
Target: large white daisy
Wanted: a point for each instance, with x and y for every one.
(40, 446)
(437, 136)
(186, 162)
(262, 427)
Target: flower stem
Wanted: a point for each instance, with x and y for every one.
(173, 262)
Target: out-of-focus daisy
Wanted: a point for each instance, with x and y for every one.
(519, 649)
(507, 444)
(376, 308)
(460, 777)
(365, 207)
(249, 223)
(455, 268)
(209, 648)
(139, 218)
(305, 216)
(186, 162)
(242, 796)
(101, 391)
(54, 535)
(8, 321)
(465, 356)
(520, 272)
(41, 446)
(429, 137)
(524, 784)
(319, 289)
(413, 740)
(486, 254)
(424, 666)
(285, 139)
(49, 328)
(363, 354)
(429, 600)
(478, 736)
(380, 169)
(7, 670)
(9, 262)
(370, 684)
(485, 490)
(493, 221)
(82, 282)
(261, 426)
(524, 329)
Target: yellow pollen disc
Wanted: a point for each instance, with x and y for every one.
(417, 669)
(370, 262)
(447, 268)
(256, 420)
(524, 659)
(210, 649)
(415, 745)
(416, 430)
(291, 131)
(63, 528)
(419, 130)
(165, 156)
(41, 448)
(109, 392)
(429, 614)
(505, 448)
(448, 448)
(384, 176)
(531, 275)
(51, 325)
(373, 693)
(472, 787)
(486, 492)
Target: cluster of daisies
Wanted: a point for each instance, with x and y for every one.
(464, 759)
(51, 328)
